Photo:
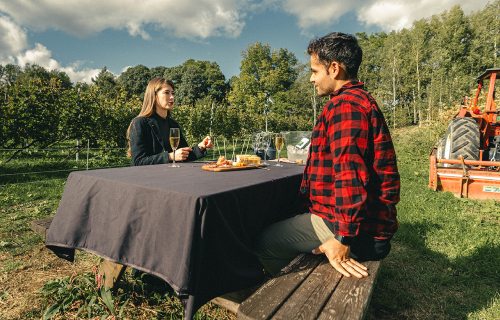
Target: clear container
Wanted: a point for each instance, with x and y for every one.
(297, 145)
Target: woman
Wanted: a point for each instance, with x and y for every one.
(148, 134)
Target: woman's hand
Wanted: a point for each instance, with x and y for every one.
(180, 154)
(205, 144)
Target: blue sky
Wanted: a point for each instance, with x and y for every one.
(82, 37)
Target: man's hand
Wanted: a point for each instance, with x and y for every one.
(338, 255)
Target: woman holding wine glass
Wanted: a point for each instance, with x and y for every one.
(154, 137)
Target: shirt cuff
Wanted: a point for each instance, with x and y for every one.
(198, 153)
(165, 157)
(331, 225)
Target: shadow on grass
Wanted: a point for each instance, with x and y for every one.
(419, 283)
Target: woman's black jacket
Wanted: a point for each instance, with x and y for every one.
(147, 145)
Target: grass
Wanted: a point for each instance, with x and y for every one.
(446, 253)
(39, 165)
(443, 265)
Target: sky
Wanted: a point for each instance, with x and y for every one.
(82, 37)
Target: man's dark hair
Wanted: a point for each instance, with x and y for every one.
(340, 47)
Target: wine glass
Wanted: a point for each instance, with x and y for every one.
(266, 143)
(279, 142)
(256, 146)
(175, 137)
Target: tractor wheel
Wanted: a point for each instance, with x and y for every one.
(440, 147)
(462, 139)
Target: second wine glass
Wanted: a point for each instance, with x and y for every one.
(266, 143)
(175, 138)
(279, 142)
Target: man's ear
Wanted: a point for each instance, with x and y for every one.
(334, 69)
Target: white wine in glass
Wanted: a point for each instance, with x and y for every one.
(279, 141)
(174, 142)
(175, 138)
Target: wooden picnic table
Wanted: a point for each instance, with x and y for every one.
(190, 227)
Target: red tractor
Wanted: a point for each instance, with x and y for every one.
(469, 154)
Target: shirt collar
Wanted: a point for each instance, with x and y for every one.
(349, 85)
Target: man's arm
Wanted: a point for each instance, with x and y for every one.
(349, 140)
(348, 135)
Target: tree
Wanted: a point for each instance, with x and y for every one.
(34, 72)
(135, 80)
(263, 75)
(302, 100)
(157, 72)
(174, 74)
(9, 74)
(485, 28)
(197, 80)
(191, 87)
(61, 78)
(106, 82)
(369, 70)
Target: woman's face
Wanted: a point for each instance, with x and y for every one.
(165, 97)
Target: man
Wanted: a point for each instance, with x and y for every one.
(351, 181)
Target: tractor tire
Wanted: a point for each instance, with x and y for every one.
(440, 147)
(462, 139)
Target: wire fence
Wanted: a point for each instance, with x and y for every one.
(35, 166)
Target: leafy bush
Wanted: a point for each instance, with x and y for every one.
(84, 292)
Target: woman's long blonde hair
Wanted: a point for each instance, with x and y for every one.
(149, 103)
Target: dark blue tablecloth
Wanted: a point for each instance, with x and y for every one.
(190, 227)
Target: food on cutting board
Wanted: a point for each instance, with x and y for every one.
(222, 162)
(242, 160)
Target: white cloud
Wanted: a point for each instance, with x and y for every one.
(13, 45)
(386, 14)
(193, 19)
(398, 14)
(42, 57)
(12, 40)
(318, 12)
(187, 18)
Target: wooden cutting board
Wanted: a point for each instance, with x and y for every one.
(221, 169)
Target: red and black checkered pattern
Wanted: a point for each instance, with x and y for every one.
(351, 177)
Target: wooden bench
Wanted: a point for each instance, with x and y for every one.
(308, 288)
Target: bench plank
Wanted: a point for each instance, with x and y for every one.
(232, 301)
(352, 296)
(41, 226)
(264, 303)
(309, 288)
(307, 302)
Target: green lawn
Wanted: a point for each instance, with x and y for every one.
(444, 263)
(446, 255)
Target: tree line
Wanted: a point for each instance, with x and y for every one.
(413, 74)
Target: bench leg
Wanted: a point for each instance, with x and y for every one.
(111, 272)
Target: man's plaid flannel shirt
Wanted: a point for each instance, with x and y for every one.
(351, 177)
